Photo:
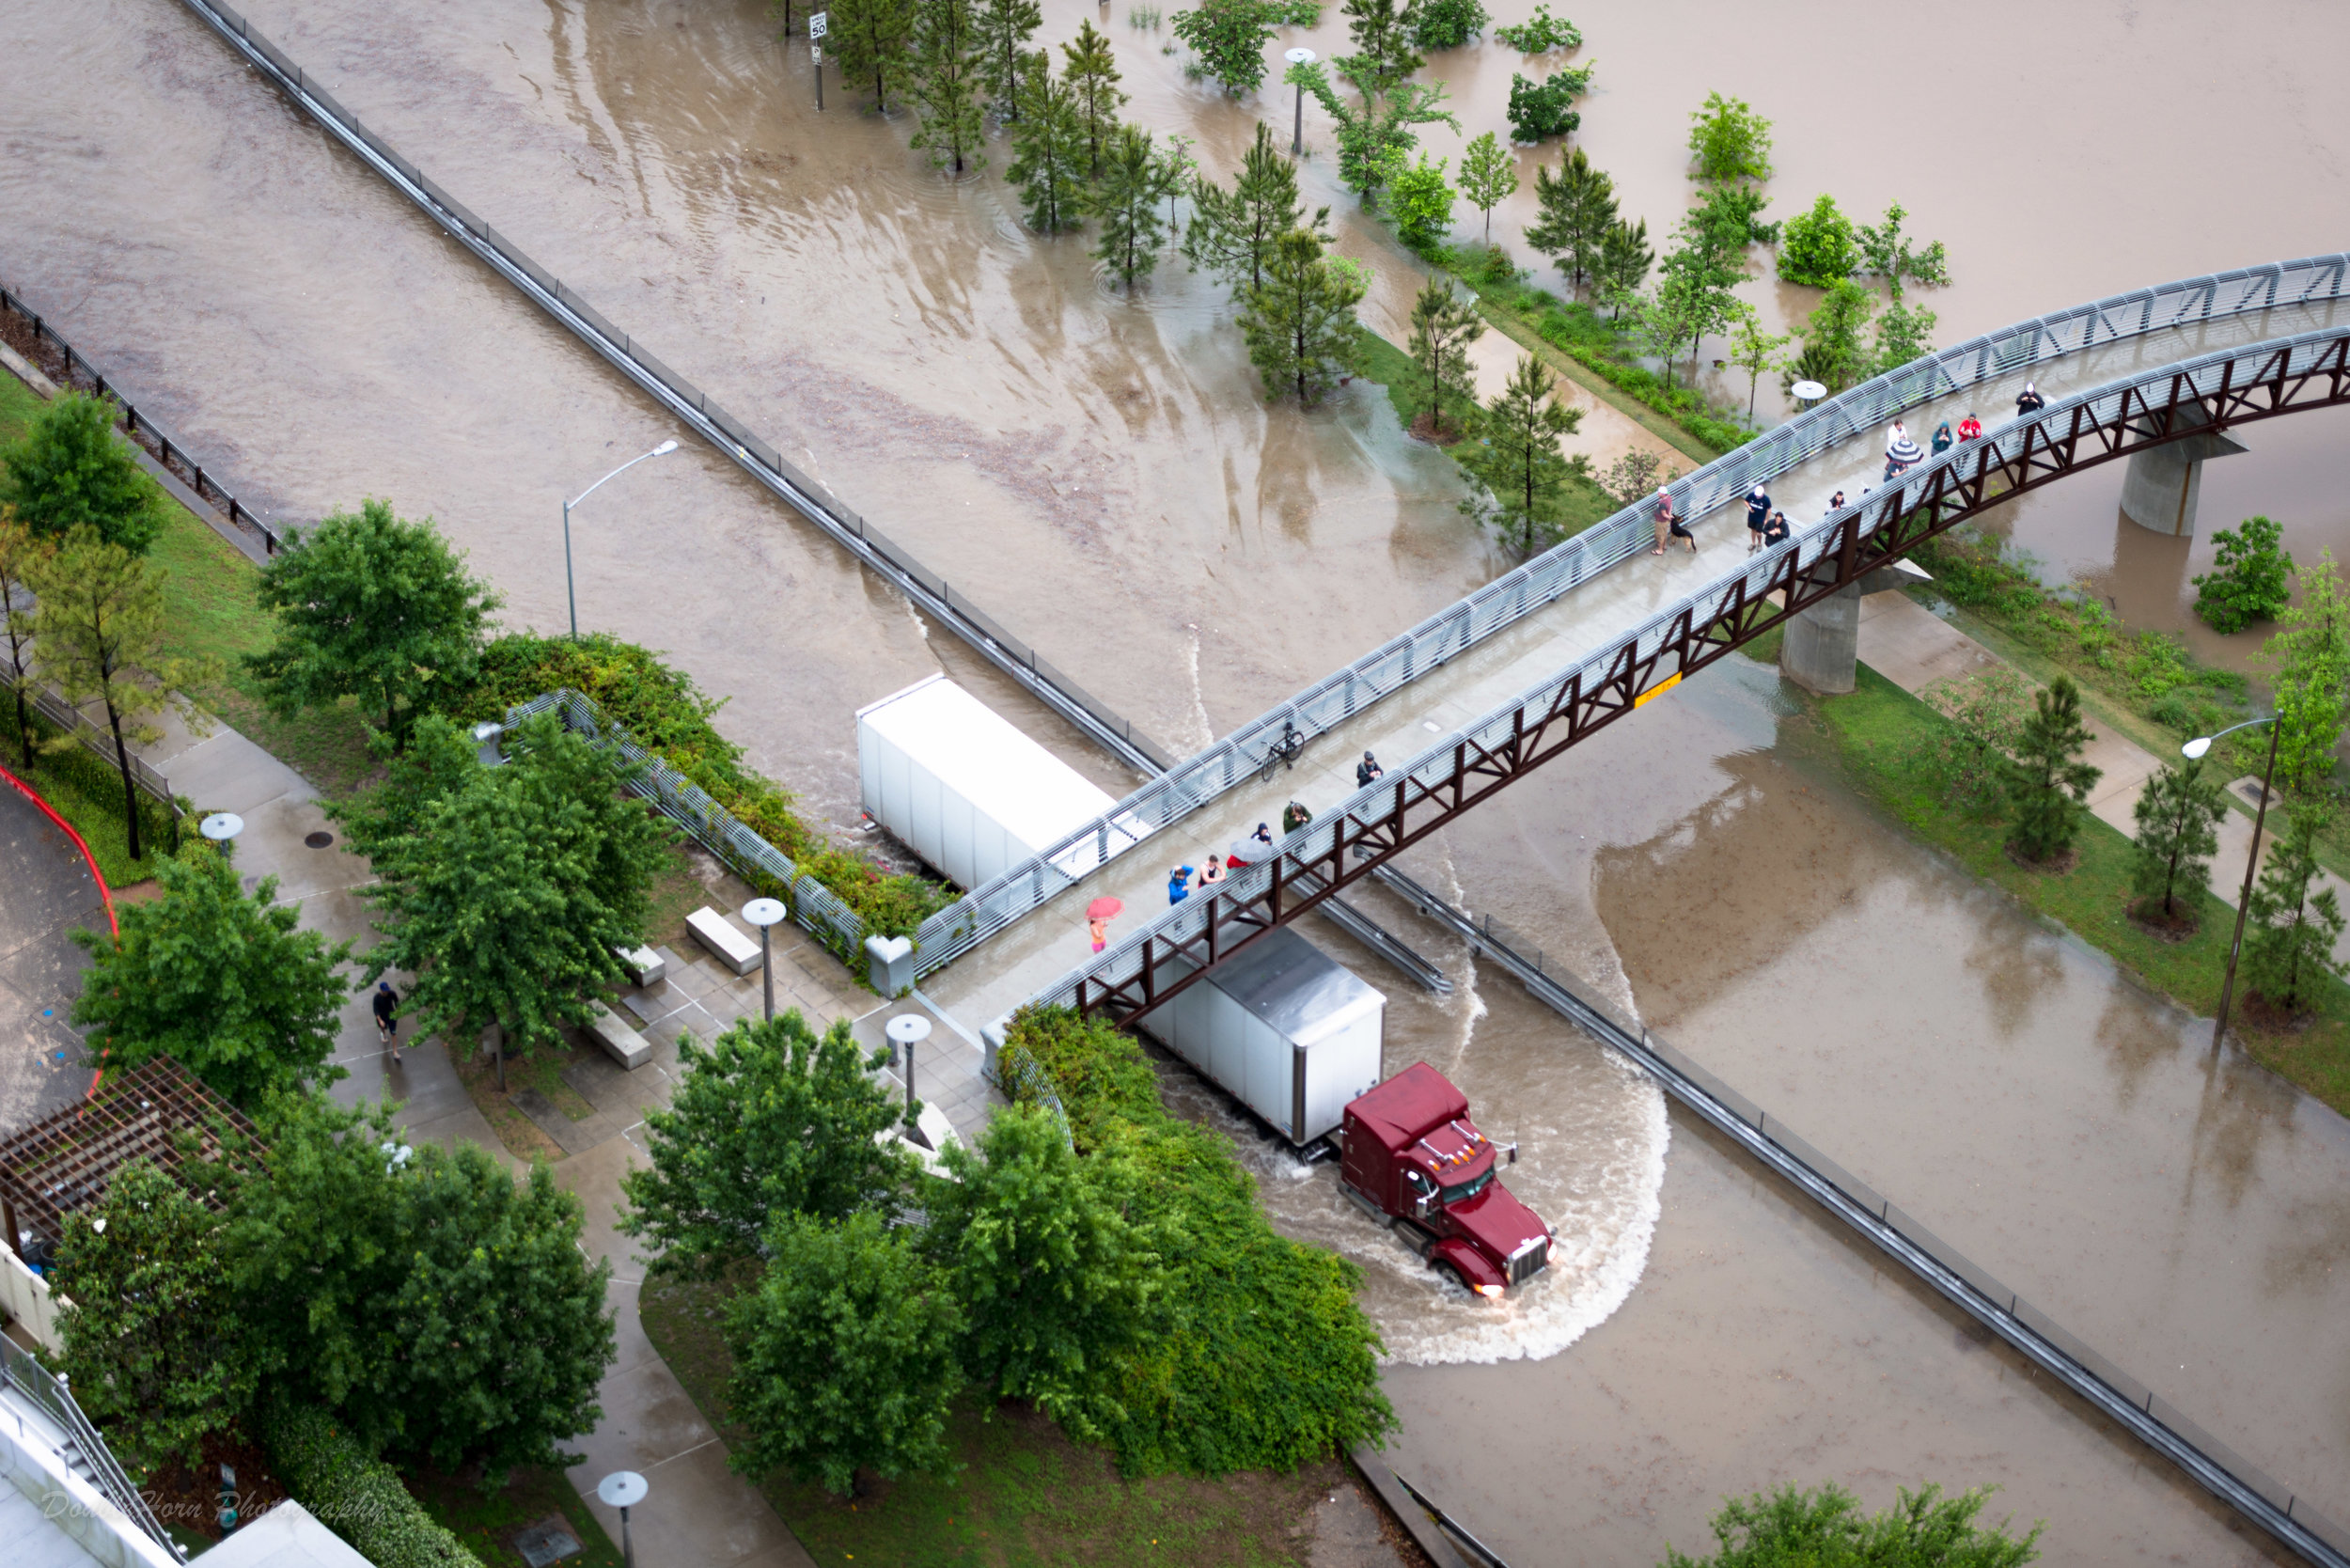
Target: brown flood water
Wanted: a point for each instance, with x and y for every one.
(1100, 474)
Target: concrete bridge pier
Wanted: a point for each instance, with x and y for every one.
(1821, 649)
(2162, 485)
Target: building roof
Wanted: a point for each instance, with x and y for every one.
(64, 1162)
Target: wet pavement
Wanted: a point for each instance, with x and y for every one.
(50, 892)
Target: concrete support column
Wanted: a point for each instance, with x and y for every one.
(1820, 651)
(2162, 485)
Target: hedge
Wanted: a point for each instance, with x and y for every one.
(357, 1495)
(1262, 1358)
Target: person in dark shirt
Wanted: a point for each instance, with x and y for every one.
(2029, 401)
(1758, 517)
(387, 1002)
(1367, 769)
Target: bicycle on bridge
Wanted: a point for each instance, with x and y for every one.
(1283, 751)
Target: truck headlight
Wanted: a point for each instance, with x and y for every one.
(1492, 1292)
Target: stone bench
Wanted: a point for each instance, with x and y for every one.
(724, 939)
(620, 1042)
(644, 966)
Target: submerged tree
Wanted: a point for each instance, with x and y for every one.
(1576, 210)
(1487, 178)
(1229, 36)
(1375, 138)
(1517, 460)
(1004, 27)
(872, 39)
(1624, 258)
(1300, 324)
(1234, 233)
(1093, 74)
(1443, 327)
(1826, 1529)
(1729, 141)
(2047, 783)
(2178, 818)
(1835, 347)
(945, 80)
(1050, 147)
(1125, 200)
(1383, 32)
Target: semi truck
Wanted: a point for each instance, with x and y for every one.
(1410, 1158)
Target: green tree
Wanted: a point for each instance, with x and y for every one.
(1835, 345)
(1382, 31)
(873, 40)
(1092, 75)
(2249, 578)
(1443, 327)
(69, 470)
(1229, 36)
(1540, 110)
(151, 1331)
(2290, 949)
(1421, 204)
(947, 66)
(1577, 211)
(1905, 332)
(1049, 141)
(23, 554)
(1729, 141)
(1824, 1528)
(1125, 200)
(1693, 296)
(1377, 137)
(2178, 818)
(374, 607)
(844, 1356)
(1234, 232)
(98, 636)
(1447, 23)
(2047, 783)
(227, 984)
(1004, 27)
(1676, 316)
(1541, 33)
(1752, 349)
(1487, 178)
(771, 1119)
(1887, 253)
(510, 894)
(1820, 248)
(2310, 653)
(1300, 324)
(440, 758)
(1516, 459)
(1624, 258)
(1053, 1279)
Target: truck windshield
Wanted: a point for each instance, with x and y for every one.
(1467, 1189)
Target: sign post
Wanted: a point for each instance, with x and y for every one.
(819, 24)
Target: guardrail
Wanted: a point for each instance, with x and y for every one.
(1965, 1284)
(681, 398)
(58, 711)
(1515, 594)
(70, 369)
(47, 1391)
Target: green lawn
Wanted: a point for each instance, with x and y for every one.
(487, 1522)
(1870, 733)
(1025, 1494)
(85, 791)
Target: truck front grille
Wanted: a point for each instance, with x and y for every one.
(1530, 1261)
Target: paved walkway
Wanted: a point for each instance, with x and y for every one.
(1912, 646)
(47, 891)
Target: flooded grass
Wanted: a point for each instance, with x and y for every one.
(1023, 1493)
(1876, 732)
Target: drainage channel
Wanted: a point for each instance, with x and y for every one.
(688, 402)
(1959, 1280)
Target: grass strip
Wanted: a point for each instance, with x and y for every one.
(487, 1522)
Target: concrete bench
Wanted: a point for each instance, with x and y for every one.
(724, 939)
(620, 1042)
(644, 966)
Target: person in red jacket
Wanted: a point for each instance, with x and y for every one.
(1971, 429)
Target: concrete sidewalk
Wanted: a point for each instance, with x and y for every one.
(1912, 646)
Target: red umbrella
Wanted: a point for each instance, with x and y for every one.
(1102, 909)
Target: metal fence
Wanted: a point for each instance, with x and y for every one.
(47, 1392)
(1508, 599)
(79, 373)
(815, 906)
(58, 711)
(691, 404)
(1950, 1273)
(1019, 1077)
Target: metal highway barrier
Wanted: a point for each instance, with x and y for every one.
(1949, 1273)
(1007, 652)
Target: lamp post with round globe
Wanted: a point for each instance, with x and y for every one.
(765, 913)
(570, 593)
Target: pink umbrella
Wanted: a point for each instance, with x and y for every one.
(1103, 908)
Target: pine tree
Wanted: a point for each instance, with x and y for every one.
(945, 80)
(1577, 209)
(2178, 831)
(1443, 327)
(1487, 178)
(1050, 168)
(1383, 32)
(2291, 947)
(1300, 324)
(1515, 458)
(2311, 655)
(1234, 233)
(2047, 783)
(1005, 28)
(1624, 258)
(1092, 73)
(1125, 197)
(872, 39)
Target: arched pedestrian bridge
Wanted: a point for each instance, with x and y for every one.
(1541, 658)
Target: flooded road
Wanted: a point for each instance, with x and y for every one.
(1100, 474)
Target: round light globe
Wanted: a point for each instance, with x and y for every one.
(665, 448)
(2195, 747)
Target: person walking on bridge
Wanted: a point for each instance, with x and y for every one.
(2029, 401)
(1758, 517)
(1900, 451)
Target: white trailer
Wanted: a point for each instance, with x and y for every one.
(1288, 1030)
(969, 793)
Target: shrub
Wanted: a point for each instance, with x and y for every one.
(1540, 34)
(355, 1495)
(1255, 1354)
(1818, 248)
(1541, 111)
(1421, 204)
(1448, 23)
(2251, 577)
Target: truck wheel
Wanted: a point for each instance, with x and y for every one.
(1450, 1275)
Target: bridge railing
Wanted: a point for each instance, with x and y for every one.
(1508, 599)
(1437, 768)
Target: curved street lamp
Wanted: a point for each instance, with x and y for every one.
(2194, 751)
(571, 594)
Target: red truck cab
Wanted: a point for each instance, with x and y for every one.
(1411, 1158)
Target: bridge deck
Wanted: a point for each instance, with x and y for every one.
(1025, 958)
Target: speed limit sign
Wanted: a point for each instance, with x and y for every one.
(819, 24)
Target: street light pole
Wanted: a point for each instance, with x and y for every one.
(2193, 751)
(570, 593)
(1300, 56)
(765, 913)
